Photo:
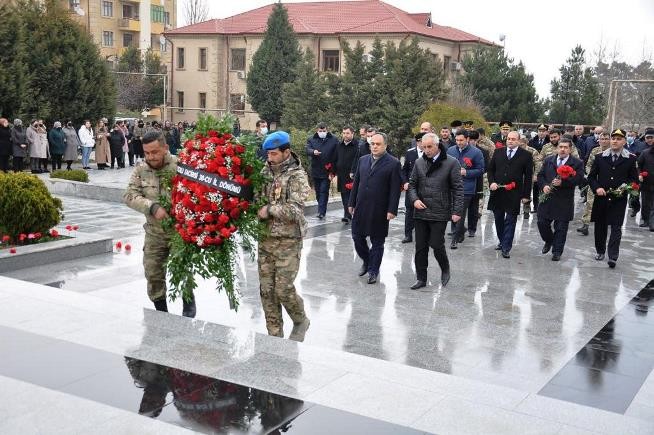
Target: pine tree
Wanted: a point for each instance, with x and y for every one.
(14, 76)
(305, 101)
(130, 60)
(273, 64)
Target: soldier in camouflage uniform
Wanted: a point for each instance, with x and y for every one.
(550, 149)
(604, 143)
(526, 206)
(142, 195)
(486, 144)
(285, 191)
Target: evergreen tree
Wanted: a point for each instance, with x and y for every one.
(14, 76)
(130, 60)
(305, 100)
(273, 64)
(576, 97)
(59, 71)
(504, 89)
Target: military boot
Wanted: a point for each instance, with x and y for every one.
(299, 330)
(161, 305)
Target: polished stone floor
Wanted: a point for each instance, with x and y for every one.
(518, 324)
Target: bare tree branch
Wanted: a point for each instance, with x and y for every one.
(195, 11)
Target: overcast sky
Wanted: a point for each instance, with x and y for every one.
(539, 33)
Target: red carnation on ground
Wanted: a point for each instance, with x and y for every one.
(128, 247)
(22, 237)
(5, 239)
(512, 185)
(75, 227)
(31, 236)
(37, 236)
(467, 161)
(12, 250)
(69, 227)
(119, 245)
(54, 233)
(565, 172)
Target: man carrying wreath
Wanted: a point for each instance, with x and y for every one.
(610, 170)
(557, 179)
(285, 191)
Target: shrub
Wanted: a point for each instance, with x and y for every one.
(440, 114)
(26, 205)
(74, 175)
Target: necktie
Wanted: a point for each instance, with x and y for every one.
(559, 162)
(615, 157)
(510, 153)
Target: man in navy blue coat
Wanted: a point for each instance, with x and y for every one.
(321, 149)
(410, 158)
(373, 203)
(559, 207)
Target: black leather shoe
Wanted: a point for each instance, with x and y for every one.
(188, 308)
(556, 257)
(372, 278)
(418, 284)
(612, 263)
(321, 216)
(453, 245)
(505, 254)
(161, 305)
(363, 270)
(633, 213)
(583, 229)
(644, 225)
(546, 248)
(498, 247)
(345, 220)
(450, 233)
(471, 234)
(599, 257)
(462, 237)
(445, 277)
(407, 239)
(525, 215)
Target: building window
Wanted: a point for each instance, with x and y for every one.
(108, 39)
(157, 14)
(128, 39)
(202, 58)
(180, 101)
(237, 102)
(331, 60)
(203, 100)
(238, 59)
(167, 18)
(107, 8)
(180, 57)
(130, 11)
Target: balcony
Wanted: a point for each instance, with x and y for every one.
(131, 24)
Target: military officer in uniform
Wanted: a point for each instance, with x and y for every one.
(142, 194)
(540, 140)
(604, 142)
(285, 191)
(500, 137)
(612, 168)
(526, 206)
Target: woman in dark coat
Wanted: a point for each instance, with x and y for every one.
(5, 144)
(57, 143)
(19, 144)
(373, 203)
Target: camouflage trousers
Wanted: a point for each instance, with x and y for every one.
(279, 261)
(155, 255)
(590, 198)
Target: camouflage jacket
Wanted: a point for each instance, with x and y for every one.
(285, 191)
(144, 190)
(591, 157)
(550, 150)
(486, 144)
(535, 156)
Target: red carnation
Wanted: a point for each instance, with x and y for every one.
(5, 239)
(12, 250)
(328, 166)
(119, 245)
(223, 172)
(69, 227)
(644, 174)
(240, 149)
(54, 233)
(128, 247)
(235, 213)
(236, 161)
(635, 186)
(22, 237)
(212, 133)
(229, 151)
(512, 185)
(499, 145)
(30, 236)
(468, 162)
(244, 205)
(223, 219)
(198, 136)
(37, 236)
(565, 172)
(75, 227)
(225, 233)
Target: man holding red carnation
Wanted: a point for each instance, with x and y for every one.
(285, 191)
(557, 179)
(611, 169)
(646, 177)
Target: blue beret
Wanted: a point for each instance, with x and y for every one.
(276, 140)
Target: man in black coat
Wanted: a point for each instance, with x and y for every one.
(611, 169)
(373, 203)
(346, 152)
(321, 149)
(410, 158)
(559, 207)
(646, 165)
(509, 165)
(436, 192)
(541, 139)
(363, 148)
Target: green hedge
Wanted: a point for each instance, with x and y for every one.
(440, 114)
(74, 175)
(26, 205)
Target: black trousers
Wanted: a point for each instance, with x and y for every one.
(601, 232)
(472, 214)
(4, 163)
(534, 197)
(56, 161)
(408, 217)
(647, 210)
(430, 234)
(19, 164)
(557, 237)
(345, 199)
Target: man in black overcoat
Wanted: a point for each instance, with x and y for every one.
(509, 165)
(611, 169)
(410, 158)
(559, 207)
(646, 165)
(373, 203)
(346, 152)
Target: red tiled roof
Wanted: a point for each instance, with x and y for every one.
(332, 18)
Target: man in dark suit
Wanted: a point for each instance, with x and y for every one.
(346, 152)
(611, 169)
(541, 139)
(559, 207)
(410, 158)
(646, 164)
(373, 203)
(509, 165)
(364, 147)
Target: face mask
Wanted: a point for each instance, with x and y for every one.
(264, 130)
(369, 140)
(631, 140)
(322, 134)
(140, 124)
(454, 130)
(596, 136)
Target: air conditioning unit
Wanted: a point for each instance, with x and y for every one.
(455, 66)
(240, 74)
